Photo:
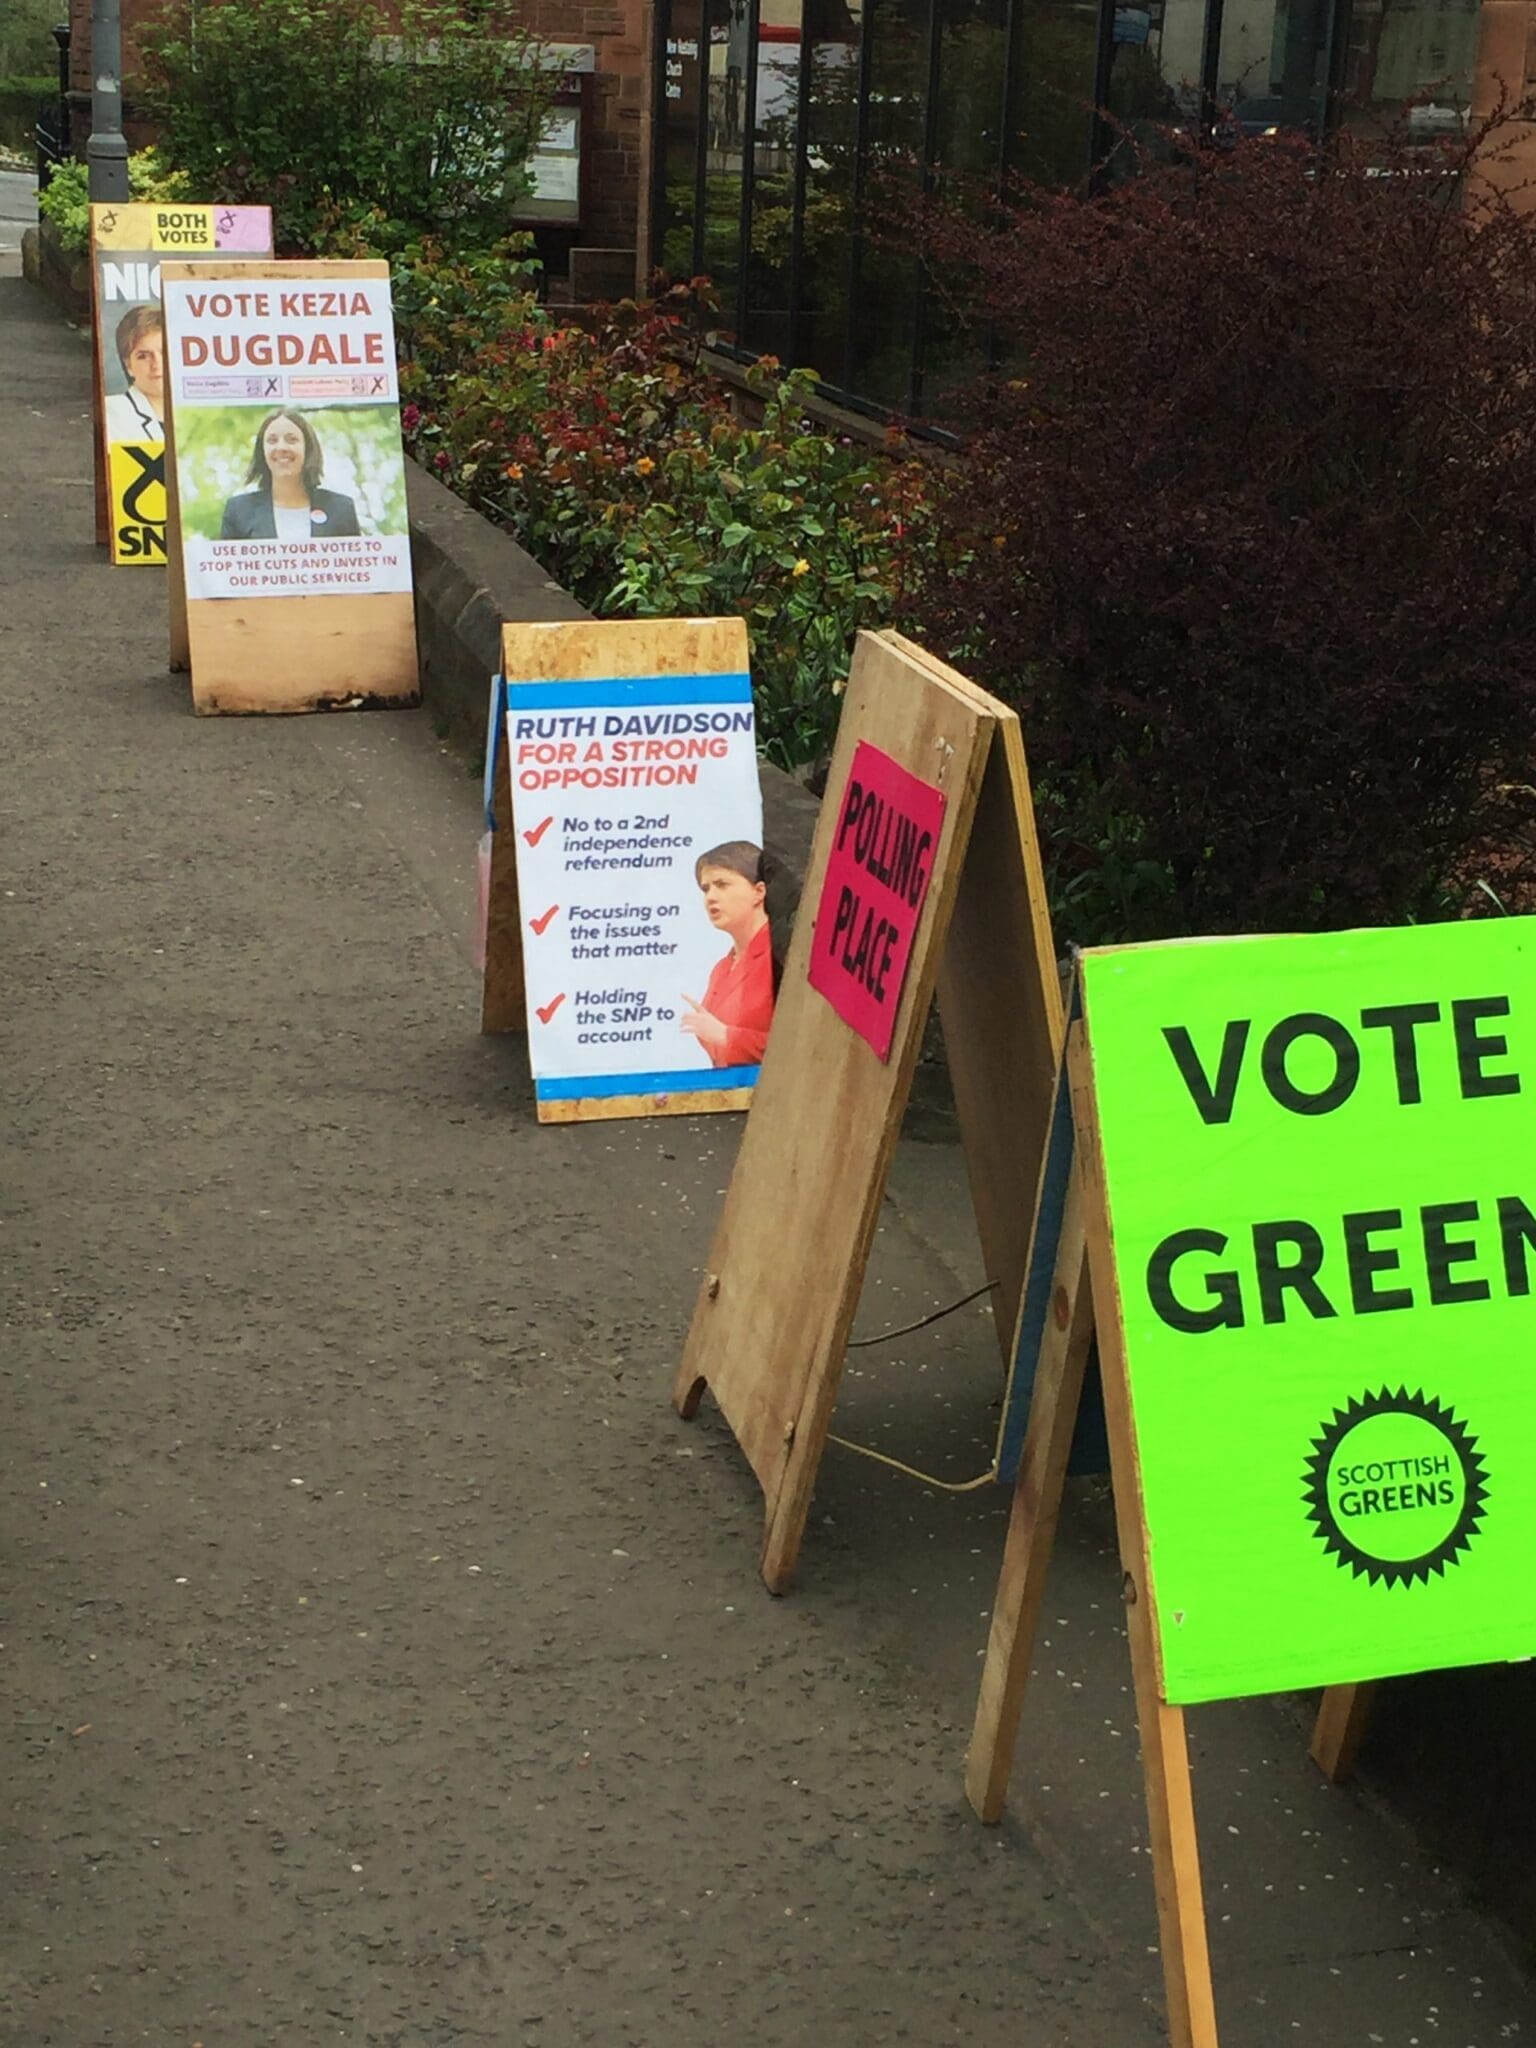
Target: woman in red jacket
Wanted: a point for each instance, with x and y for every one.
(731, 1023)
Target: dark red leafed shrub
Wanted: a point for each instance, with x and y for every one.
(1247, 528)
(617, 461)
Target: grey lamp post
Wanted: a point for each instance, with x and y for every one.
(107, 152)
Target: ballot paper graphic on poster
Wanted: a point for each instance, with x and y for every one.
(289, 470)
(638, 821)
(888, 826)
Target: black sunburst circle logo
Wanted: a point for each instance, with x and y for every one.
(1395, 1487)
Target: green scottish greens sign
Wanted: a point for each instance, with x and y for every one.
(1320, 1165)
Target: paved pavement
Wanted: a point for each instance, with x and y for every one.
(380, 1660)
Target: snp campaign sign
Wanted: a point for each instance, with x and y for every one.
(1320, 1166)
(290, 476)
(128, 244)
(646, 948)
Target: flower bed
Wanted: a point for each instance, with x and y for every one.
(620, 465)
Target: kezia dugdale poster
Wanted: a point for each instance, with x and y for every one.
(647, 957)
(289, 472)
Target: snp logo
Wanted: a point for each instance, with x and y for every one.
(137, 473)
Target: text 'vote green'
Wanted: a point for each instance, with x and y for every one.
(1320, 1163)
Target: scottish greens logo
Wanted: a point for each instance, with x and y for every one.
(1395, 1487)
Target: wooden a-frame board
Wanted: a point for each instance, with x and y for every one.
(1084, 1298)
(98, 425)
(1066, 1338)
(786, 1269)
(282, 653)
(574, 651)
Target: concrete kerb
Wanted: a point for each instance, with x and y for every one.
(470, 580)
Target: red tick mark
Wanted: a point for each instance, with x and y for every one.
(538, 832)
(546, 1010)
(540, 925)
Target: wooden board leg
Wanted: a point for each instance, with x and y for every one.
(179, 649)
(688, 1386)
(501, 997)
(785, 1524)
(1000, 1003)
(98, 423)
(687, 1393)
(1054, 1402)
(1164, 1746)
(1175, 1855)
(1343, 1715)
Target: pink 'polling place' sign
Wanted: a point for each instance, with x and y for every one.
(888, 829)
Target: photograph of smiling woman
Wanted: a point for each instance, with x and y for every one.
(282, 498)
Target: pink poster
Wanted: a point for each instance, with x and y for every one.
(888, 830)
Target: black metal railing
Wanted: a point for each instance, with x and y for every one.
(53, 125)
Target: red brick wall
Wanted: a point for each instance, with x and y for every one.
(618, 31)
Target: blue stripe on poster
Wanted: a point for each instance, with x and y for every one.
(684, 1081)
(619, 690)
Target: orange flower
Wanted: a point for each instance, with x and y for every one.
(644, 466)
(515, 471)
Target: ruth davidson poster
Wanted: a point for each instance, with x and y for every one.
(647, 952)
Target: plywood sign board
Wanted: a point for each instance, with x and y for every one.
(925, 836)
(291, 565)
(625, 914)
(128, 245)
(1315, 1338)
(1327, 1319)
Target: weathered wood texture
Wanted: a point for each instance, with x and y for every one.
(179, 656)
(999, 995)
(592, 650)
(503, 998)
(1343, 1715)
(774, 1312)
(697, 1102)
(1164, 1746)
